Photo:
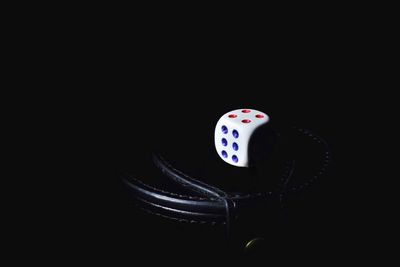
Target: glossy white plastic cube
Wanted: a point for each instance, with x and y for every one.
(234, 132)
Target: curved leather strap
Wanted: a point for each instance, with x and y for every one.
(176, 206)
(214, 205)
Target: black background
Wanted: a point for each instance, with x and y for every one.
(115, 82)
(140, 88)
(186, 101)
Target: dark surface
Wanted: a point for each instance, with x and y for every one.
(313, 217)
(200, 160)
(104, 224)
(133, 108)
(261, 200)
(132, 84)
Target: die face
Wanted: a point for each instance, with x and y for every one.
(233, 132)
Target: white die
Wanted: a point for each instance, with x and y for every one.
(233, 133)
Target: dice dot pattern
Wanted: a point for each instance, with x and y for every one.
(258, 116)
(224, 142)
(235, 159)
(235, 146)
(235, 133)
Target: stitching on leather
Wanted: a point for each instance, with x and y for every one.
(325, 165)
(284, 177)
(187, 185)
(229, 203)
(174, 178)
(226, 195)
(171, 193)
(232, 197)
(213, 223)
(215, 189)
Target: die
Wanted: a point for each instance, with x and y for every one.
(243, 137)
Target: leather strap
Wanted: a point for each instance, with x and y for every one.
(205, 203)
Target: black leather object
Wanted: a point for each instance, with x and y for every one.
(212, 192)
